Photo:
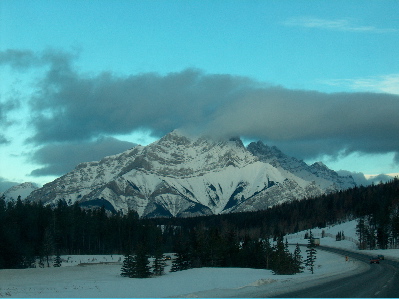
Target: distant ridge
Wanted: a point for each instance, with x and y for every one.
(23, 190)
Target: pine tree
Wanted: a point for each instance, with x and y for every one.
(48, 245)
(361, 232)
(175, 265)
(181, 262)
(158, 265)
(128, 266)
(141, 263)
(298, 258)
(57, 261)
(279, 265)
(311, 253)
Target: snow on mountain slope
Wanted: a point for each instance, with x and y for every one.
(22, 190)
(324, 177)
(182, 176)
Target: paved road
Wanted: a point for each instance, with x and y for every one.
(381, 280)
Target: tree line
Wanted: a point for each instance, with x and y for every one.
(218, 250)
(30, 231)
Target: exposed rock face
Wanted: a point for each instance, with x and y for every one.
(180, 176)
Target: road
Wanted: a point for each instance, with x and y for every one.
(380, 281)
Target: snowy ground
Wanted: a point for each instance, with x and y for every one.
(349, 229)
(99, 276)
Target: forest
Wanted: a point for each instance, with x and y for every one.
(30, 231)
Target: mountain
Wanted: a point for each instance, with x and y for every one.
(22, 190)
(182, 176)
(324, 177)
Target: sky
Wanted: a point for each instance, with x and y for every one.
(80, 80)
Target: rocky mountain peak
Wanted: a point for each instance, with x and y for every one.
(176, 137)
(320, 165)
(180, 175)
(237, 141)
(266, 152)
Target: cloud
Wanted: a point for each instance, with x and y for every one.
(385, 83)
(25, 59)
(337, 25)
(61, 158)
(5, 108)
(361, 179)
(5, 185)
(18, 59)
(307, 124)
(70, 108)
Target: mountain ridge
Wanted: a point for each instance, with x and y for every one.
(180, 176)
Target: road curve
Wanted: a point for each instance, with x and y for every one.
(381, 280)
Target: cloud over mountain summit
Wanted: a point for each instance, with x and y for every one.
(69, 107)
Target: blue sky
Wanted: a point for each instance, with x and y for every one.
(83, 79)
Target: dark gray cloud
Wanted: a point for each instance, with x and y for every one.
(308, 123)
(60, 158)
(73, 107)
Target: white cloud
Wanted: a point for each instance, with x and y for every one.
(338, 25)
(384, 83)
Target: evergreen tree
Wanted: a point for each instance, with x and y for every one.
(279, 264)
(48, 245)
(57, 261)
(141, 263)
(311, 253)
(128, 266)
(361, 233)
(175, 265)
(268, 252)
(284, 262)
(181, 262)
(158, 265)
(184, 254)
(298, 258)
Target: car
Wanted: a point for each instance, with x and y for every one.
(381, 257)
(375, 260)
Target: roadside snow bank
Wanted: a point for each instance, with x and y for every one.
(329, 266)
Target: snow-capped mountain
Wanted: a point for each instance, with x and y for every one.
(182, 176)
(22, 190)
(324, 177)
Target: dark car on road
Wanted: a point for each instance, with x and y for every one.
(375, 260)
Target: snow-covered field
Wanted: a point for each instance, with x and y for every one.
(99, 276)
